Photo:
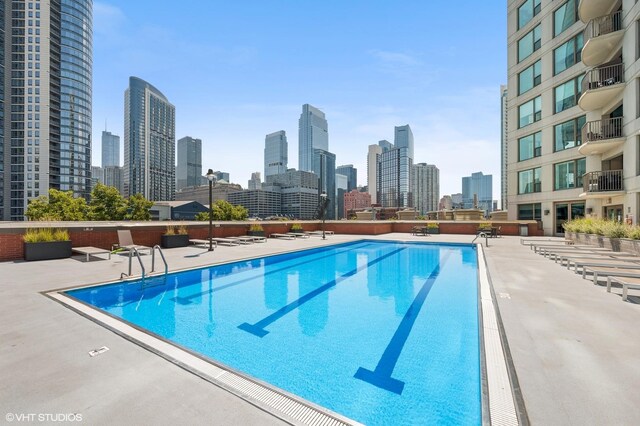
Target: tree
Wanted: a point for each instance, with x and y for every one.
(106, 203)
(223, 211)
(60, 205)
(138, 208)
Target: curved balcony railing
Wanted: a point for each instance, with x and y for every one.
(603, 25)
(603, 76)
(607, 128)
(602, 181)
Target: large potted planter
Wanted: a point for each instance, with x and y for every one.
(256, 230)
(175, 236)
(433, 228)
(46, 243)
(296, 228)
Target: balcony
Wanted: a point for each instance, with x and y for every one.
(601, 86)
(603, 39)
(601, 136)
(590, 9)
(602, 184)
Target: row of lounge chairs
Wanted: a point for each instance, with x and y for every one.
(601, 265)
(294, 235)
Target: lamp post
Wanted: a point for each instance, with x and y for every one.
(210, 177)
(323, 198)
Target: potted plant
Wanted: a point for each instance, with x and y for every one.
(433, 228)
(296, 228)
(175, 236)
(46, 243)
(256, 230)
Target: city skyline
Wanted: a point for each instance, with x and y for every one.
(258, 80)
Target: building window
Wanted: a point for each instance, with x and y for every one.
(530, 78)
(568, 175)
(530, 146)
(568, 54)
(569, 134)
(565, 16)
(567, 94)
(527, 11)
(529, 181)
(530, 112)
(530, 211)
(529, 43)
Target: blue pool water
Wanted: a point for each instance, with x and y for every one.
(382, 332)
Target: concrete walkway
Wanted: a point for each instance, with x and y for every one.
(574, 346)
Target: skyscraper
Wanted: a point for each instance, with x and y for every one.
(110, 149)
(276, 153)
(312, 134)
(255, 182)
(393, 174)
(351, 173)
(504, 153)
(189, 168)
(373, 160)
(50, 58)
(149, 142)
(403, 138)
(324, 166)
(426, 187)
(480, 185)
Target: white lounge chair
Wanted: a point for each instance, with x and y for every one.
(626, 283)
(603, 271)
(204, 243)
(125, 241)
(283, 236)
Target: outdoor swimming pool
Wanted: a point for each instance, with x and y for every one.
(381, 332)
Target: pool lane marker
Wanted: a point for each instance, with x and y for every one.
(259, 328)
(381, 376)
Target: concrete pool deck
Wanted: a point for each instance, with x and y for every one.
(574, 346)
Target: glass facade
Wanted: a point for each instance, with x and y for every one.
(569, 174)
(351, 173)
(569, 134)
(530, 146)
(324, 166)
(567, 94)
(529, 181)
(565, 16)
(149, 142)
(481, 185)
(528, 44)
(110, 149)
(530, 78)
(394, 178)
(527, 11)
(530, 112)
(568, 54)
(189, 166)
(51, 97)
(313, 133)
(276, 153)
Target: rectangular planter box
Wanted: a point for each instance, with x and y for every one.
(433, 230)
(46, 251)
(172, 241)
(255, 233)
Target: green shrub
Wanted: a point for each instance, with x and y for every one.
(433, 225)
(256, 227)
(634, 233)
(170, 230)
(296, 227)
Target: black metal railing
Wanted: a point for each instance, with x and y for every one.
(603, 76)
(607, 128)
(603, 25)
(602, 181)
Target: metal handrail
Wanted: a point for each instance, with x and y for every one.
(603, 25)
(602, 181)
(599, 77)
(131, 253)
(607, 128)
(153, 259)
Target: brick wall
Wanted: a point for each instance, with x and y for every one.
(104, 235)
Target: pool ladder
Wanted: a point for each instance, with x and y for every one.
(480, 235)
(134, 252)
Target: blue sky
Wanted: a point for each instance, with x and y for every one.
(238, 70)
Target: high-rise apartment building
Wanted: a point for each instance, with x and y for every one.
(224, 176)
(46, 125)
(573, 100)
(341, 189)
(373, 160)
(149, 142)
(110, 149)
(426, 187)
(393, 173)
(504, 157)
(189, 167)
(313, 134)
(276, 153)
(351, 173)
(324, 166)
(299, 192)
(478, 187)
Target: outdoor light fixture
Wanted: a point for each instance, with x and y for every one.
(211, 177)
